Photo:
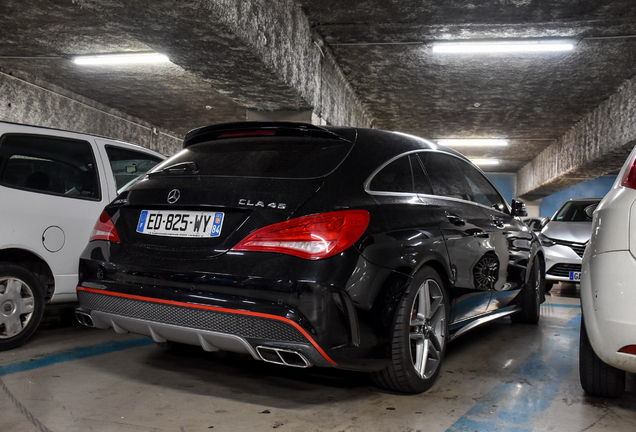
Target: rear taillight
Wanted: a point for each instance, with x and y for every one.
(629, 178)
(104, 229)
(310, 237)
(629, 349)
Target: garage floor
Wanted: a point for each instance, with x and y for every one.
(500, 377)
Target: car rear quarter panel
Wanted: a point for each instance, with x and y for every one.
(608, 300)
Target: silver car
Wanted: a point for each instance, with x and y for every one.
(536, 223)
(564, 239)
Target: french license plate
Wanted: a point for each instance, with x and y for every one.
(180, 223)
(575, 276)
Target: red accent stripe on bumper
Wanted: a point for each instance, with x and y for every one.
(215, 309)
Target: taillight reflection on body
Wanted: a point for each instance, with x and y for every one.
(104, 229)
(310, 237)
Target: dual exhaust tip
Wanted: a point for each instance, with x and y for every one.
(281, 356)
(84, 318)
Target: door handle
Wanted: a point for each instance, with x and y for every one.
(497, 223)
(455, 220)
(477, 233)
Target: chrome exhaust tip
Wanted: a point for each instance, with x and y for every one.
(281, 356)
(84, 318)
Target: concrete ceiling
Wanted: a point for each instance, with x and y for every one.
(383, 48)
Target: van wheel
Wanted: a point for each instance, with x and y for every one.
(530, 296)
(597, 377)
(21, 305)
(419, 336)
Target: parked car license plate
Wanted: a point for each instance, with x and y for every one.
(575, 276)
(180, 223)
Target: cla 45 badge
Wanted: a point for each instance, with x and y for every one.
(249, 203)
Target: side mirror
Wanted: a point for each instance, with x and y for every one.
(589, 210)
(518, 208)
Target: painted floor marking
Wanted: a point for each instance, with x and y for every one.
(516, 405)
(561, 305)
(73, 354)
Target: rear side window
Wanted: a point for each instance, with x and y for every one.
(403, 175)
(50, 165)
(128, 165)
(445, 177)
(395, 177)
(275, 157)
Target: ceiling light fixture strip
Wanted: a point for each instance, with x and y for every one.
(114, 59)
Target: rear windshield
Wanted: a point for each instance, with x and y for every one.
(574, 211)
(275, 157)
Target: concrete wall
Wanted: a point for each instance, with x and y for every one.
(597, 145)
(25, 100)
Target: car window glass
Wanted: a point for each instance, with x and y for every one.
(395, 177)
(445, 178)
(128, 165)
(574, 211)
(51, 165)
(264, 157)
(483, 192)
(421, 182)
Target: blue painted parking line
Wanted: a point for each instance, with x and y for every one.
(73, 354)
(514, 406)
(561, 305)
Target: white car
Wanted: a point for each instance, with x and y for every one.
(608, 298)
(564, 239)
(53, 187)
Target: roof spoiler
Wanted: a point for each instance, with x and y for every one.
(253, 129)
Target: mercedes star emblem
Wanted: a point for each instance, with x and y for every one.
(174, 196)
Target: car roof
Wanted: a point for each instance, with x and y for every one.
(394, 142)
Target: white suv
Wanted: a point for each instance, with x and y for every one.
(53, 187)
(608, 296)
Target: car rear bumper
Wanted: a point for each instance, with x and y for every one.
(608, 296)
(211, 327)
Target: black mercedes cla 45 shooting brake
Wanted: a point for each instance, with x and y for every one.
(308, 246)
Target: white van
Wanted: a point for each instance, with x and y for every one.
(53, 187)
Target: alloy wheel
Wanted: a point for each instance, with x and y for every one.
(427, 331)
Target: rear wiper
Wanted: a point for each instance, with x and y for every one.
(178, 168)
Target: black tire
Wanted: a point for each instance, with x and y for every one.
(548, 286)
(597, 377)
(21, 305)
(419, 336)
(531, 294)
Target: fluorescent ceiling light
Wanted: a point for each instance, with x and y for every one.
(473, 142)
(113, 59)
(501, 46)
(485, 161)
